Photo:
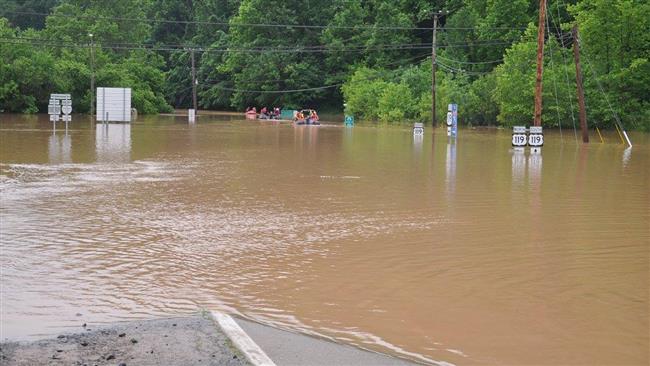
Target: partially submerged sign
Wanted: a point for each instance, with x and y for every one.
(519, 137)
(533, 137)
(418, 129)
(60, 103)
(114, 104)
(452, 120)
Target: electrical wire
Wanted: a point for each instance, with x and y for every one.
(566, 74)
(235, 24)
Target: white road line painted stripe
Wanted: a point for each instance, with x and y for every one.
(242, 341)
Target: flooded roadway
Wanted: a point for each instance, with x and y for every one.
(463, 253)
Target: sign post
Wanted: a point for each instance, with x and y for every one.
(60, 103)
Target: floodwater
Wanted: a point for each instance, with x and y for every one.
(460, 252)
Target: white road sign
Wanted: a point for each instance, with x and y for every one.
(536, 140)
(66, 109)
(519, 139)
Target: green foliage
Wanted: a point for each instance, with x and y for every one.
(486, 56)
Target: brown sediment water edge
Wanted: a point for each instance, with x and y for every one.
(436, 250)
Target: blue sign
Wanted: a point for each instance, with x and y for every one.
(349, 120)
(453, 115)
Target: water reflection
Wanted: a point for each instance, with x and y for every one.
(627, 154)
(450, 179)
(535, 169)
(417, 143)
(60, 148)
(518, 165)
(113, 142)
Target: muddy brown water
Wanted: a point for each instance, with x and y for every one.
(464, 253)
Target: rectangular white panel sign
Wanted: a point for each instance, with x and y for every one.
(114, 104)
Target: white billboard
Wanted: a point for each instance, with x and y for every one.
(114, 104)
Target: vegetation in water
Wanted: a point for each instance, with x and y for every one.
(374, 56)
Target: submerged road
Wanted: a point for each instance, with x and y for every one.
(287, 348)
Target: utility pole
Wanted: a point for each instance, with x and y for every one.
(433, 71)
(92, 76)
(537, 120)
(580, 91)
(193, 83)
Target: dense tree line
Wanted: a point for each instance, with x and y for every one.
(373, 56)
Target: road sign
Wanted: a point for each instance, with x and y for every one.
(349, 120)
(519, 139)
(418, 129)
(536, 140)
(60, 103)
(452, 113)
(60, 96)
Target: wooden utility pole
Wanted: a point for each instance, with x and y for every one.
(537, 120)
(92, 76)
(193, 83)
(433, 70)
(580, 91)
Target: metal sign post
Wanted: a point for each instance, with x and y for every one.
(60, 103)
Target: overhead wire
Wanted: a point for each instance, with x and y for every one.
(236, 24)
(566, 73)
(557, 102)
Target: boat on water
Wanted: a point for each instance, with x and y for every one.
(298, 117)
(306, 117)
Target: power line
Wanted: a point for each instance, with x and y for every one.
(230, 24)
(323, 49)
(63, 44)
(471, 63)
(263, 25)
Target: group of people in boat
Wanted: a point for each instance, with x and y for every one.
(265, 113)
(301, 117)
(306, 117)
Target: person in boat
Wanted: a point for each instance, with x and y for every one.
(313, 117)
(276, 113)
(300, 118)
(264, 113)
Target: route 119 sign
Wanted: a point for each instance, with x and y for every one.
(535, 138)
(519, 137)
